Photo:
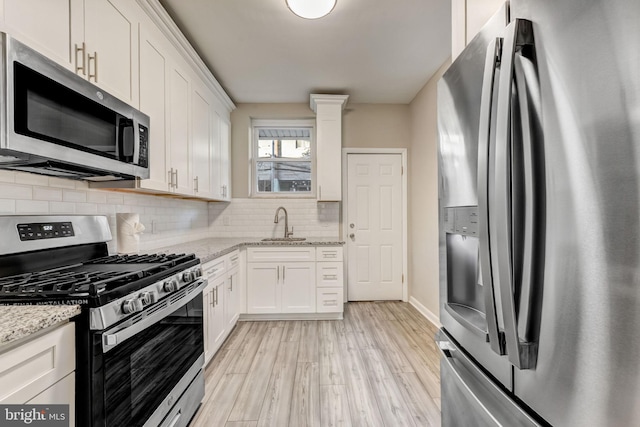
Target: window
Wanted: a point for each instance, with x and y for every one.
(283, 158)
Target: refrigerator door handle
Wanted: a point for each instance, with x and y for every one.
(521, 352)
(534, 224)
(496, 339)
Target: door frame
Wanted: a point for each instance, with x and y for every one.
(345, 202)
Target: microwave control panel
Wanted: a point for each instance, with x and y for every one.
(144, 146)
(49, 230)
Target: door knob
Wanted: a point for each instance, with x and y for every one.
(352, 225)
(352, 235)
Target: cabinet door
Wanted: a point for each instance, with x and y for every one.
(179, 125)
(217, 324)
(225, 159)
(46, 26)
(61, 393)
(299, 287)
(111, 36)
(232, 300)
(201, 124)
(263, 288)
(207, 314)
(216, 158)
(154, 89)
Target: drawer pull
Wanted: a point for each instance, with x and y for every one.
(330, 255)
(330, 302)
(330, 276)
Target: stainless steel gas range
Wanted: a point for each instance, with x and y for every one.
(139, 343)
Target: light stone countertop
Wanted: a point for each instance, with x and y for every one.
(210, 249)
(19, 321)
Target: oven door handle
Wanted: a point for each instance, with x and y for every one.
(168, 305)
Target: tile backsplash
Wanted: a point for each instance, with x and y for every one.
(168, 221)
(254, 218)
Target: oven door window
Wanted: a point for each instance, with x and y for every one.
(142, 371)
(47, 110)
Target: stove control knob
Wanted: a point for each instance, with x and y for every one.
(197, 272)
(132, 306)
(148, 297)
(188, 276)
(170, 285)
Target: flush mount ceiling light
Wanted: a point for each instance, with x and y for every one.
(311, 9)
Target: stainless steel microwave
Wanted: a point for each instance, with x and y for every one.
(54, 122)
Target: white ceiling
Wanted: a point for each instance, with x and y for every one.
(376, 51)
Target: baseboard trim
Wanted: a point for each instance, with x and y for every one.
(290, 316)
(428, 314)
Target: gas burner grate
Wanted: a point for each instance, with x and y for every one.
(140, 259)
(58, 282)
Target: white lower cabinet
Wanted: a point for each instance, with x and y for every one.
(281, 287)
(221, 302)
(287, 280)
(41, 371)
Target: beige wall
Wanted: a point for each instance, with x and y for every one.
(423, 196)
(364, 125)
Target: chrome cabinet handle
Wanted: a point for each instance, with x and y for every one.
(93, 58)
(485, 168)
(195, 184)
(84, 62)
(278, 280)
(283, 270)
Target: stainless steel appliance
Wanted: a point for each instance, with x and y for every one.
(55, 122)
(139, 344)
(539, 136)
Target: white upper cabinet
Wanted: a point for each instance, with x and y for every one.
(45, 25)
(154, 101)
(97, 39)
(328, 109)
(202, 113)
(134, 51)
(111, 44)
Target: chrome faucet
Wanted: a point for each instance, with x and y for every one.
(287, 233)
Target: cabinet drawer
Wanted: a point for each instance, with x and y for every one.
(233, 260)
(329, 300)
(214, 269)
(31, 368)
(329, 274)
(329, 253)
(281, 254)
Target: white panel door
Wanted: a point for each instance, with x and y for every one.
(374, 227)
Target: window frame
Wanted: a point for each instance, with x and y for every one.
(256, 125)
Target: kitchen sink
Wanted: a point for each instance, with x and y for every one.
(284, 239)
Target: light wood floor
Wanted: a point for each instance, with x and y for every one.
(377, 367)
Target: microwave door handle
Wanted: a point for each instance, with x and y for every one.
(521, 354)
(484, 135)
(126, 139)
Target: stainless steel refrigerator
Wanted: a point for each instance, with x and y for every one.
(539, 193)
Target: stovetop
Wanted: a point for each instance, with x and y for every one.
(93, 282)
